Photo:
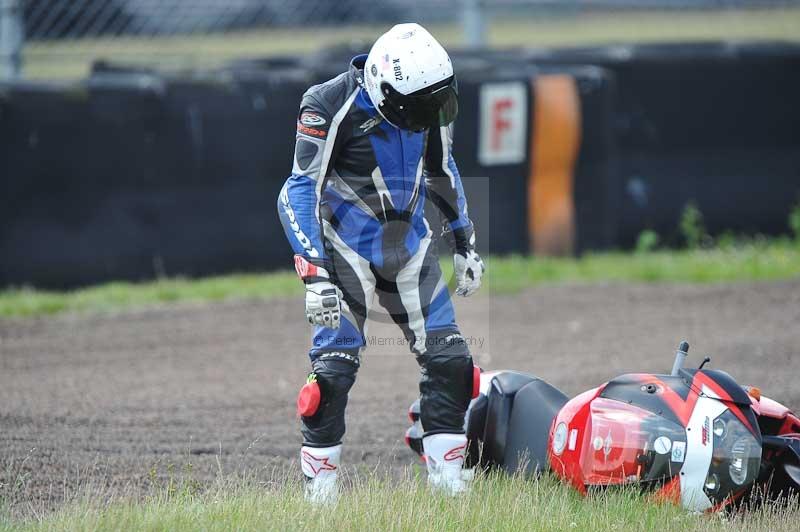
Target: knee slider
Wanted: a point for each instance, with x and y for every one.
(323, 417)
(330, 378)
(334, 378)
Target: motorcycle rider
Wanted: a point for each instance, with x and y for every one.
(372, 145)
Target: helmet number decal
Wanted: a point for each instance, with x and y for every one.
(398, 72)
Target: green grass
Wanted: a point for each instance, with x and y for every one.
(751, 261)
(755, 261)
(71, 59)
(497, 502)
(119, 295)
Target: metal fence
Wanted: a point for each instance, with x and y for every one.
(64, 30)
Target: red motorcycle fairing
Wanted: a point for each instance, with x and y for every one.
(637, 429)
(774, 419)
(675, 397)
(619, 434)
(780, 429)
(703, 409)
(727, 390)
(564, 451)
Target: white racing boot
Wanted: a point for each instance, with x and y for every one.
(321, 467)
(444, 456)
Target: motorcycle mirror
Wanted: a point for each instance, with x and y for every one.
(704, 362)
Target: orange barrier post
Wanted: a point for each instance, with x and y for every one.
(555, 142)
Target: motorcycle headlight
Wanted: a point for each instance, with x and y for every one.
(720, 428)
(740, 454)
(712, 483)
(736, 458)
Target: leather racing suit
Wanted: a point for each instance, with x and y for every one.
(354, 205)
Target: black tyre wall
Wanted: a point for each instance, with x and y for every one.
(712, 123)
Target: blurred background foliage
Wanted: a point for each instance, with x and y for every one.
(63, 37)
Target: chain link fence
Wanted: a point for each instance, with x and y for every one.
(60, 38)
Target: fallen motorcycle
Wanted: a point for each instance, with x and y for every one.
(695, 436)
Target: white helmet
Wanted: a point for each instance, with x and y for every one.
(409, 78)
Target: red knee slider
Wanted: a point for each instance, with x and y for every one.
(309, 397)
(476, 381)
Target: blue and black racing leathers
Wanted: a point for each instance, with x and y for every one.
(354, 205)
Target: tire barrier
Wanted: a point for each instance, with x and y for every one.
(711, 123)
(496, 113)
(572, 187)
(131, 174)
(535, 196)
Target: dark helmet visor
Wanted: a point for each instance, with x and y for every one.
(432, 106)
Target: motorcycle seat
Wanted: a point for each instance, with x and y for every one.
(519, 411)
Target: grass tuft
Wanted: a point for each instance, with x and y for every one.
(756, 260)
(375, 502)
(23, 302)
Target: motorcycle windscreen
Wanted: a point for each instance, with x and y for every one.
(630, 445)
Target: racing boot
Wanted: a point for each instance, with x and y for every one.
(320, 466)
(444, 457)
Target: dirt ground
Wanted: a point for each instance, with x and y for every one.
(124, 401)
